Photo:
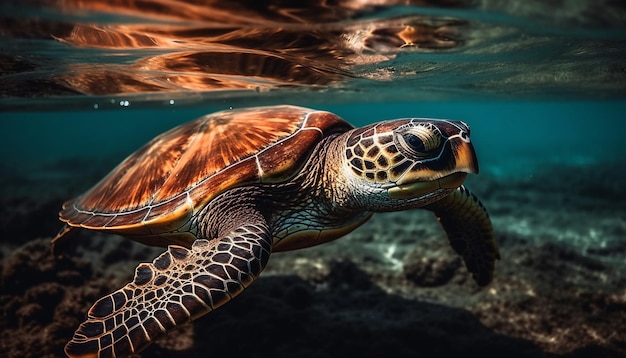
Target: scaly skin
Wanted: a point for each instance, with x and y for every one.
(178, 286)
(469, 230)
(226, 242)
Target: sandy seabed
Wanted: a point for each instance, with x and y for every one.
(392, 288)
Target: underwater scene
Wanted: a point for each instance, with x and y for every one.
(528, 259)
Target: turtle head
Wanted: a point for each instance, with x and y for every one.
(405, 163)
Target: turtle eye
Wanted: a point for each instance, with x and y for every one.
(414, 142)
(419, 141)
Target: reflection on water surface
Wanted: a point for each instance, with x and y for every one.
(386, 49)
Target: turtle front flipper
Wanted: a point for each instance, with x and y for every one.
(178, 286)
(467, 224)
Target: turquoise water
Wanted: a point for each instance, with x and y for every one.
(92, 78)
(512, 138)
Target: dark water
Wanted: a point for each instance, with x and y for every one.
(541, 83)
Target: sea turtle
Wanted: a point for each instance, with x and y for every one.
(226, 190)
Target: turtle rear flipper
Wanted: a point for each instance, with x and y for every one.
(467, 224)
(60, 241)
(178, 286)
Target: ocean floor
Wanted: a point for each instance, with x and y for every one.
(393, 288)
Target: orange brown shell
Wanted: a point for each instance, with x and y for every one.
(156, 191)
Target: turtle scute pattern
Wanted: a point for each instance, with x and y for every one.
(153, 194)
(169, 165)
(178, 286)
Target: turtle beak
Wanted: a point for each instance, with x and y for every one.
(466, 160)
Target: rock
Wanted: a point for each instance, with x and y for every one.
(428, 268)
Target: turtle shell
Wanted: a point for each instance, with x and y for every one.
(153, 194)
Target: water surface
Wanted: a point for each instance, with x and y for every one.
(104, 54)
